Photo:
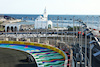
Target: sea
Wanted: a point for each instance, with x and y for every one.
(92, 21)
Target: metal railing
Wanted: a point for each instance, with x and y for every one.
(54, 41)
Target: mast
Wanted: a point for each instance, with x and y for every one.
(45, 14)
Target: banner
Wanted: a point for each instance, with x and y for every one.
(5, 42)
(16, 42)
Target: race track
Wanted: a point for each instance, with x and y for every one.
(14, 58)
(43, 56)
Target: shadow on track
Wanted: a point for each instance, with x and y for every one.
(14, 58)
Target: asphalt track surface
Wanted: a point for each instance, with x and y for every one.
(95, 62)
(14, 58)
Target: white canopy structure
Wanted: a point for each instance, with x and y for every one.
(12, 27)
(43, 22)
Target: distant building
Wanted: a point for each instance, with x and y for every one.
(40, 23)
(2, 18)
(15, 20)
(12, 27)
(43, 22)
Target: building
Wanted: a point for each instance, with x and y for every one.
(42, 22)
(12, 27)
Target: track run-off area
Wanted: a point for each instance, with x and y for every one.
(44, 55)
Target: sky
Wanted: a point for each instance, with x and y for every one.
(65, 7)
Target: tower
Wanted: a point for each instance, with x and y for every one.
(45, 14)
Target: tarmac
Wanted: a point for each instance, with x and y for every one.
(14, 58)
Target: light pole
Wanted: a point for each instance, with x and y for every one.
(66, 35)
(62, 29)
(41, 29)
(27, 32)
(73, 30)
(33, 36)
(99, 23)
(81, 55)
(46, 28)
(85, 49)
(79, 32)
(86, 46)
(37, 27)
(90, 44)
(68, 32)
(80, 42)
(54, 31)
(90, 52)
(93, 22)
(57, 26)
(76, 32)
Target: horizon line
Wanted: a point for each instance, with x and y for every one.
(48, 14)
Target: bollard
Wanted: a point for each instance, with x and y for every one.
(17, 39)
(47, 41)
(6, 39)
(38, 40)
(28, 39)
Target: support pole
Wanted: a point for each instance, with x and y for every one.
(37, 27)
(86, 46)
(57, 27)
(73, 31)
(46, 28)
(62, 30)
(90, 52)
(86, 49)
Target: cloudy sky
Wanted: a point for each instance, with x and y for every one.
(53, 7)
